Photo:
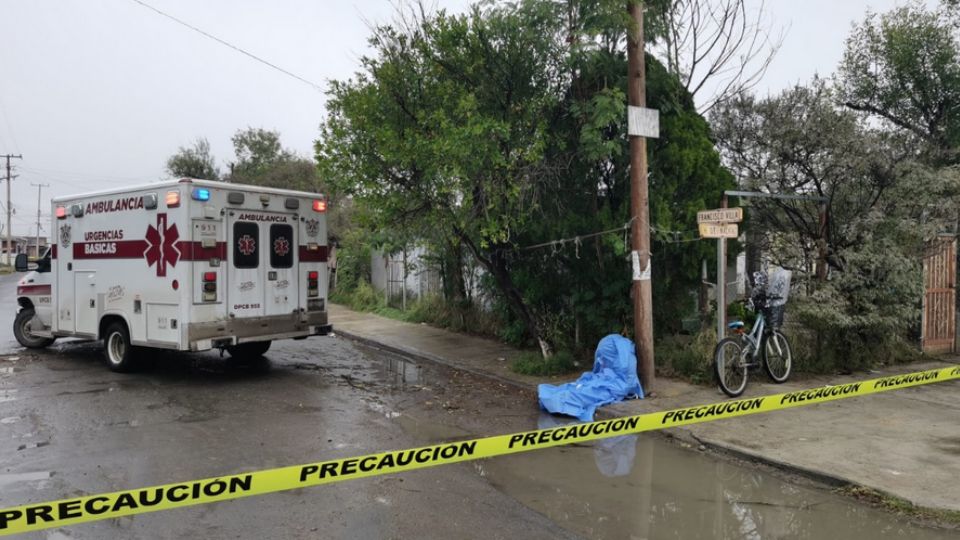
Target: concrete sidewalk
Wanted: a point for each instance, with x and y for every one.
(904, 443)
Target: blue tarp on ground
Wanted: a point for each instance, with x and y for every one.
(614, 377)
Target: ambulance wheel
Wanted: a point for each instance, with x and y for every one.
(117, 348)
(247, 352)
(22, 327)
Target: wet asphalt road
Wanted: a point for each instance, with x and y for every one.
(70, 427)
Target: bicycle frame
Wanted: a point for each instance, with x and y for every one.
(754, 336)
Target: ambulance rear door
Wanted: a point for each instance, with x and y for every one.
(262, 253)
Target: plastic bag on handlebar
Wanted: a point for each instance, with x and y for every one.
(778, 287)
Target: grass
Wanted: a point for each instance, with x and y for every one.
(433, 310)
(437, 311)
(533, 363)
(687, 357)
(900, 506)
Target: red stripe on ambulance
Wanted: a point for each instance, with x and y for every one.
(119, 249)
(315, 255)
(194, 251)
(33, 289)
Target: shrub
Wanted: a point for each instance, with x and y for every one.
(533, 363)
(362, 297)
(690, 358)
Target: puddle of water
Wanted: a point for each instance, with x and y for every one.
(8, 395)
(401, 373)
(10, 420)
(9, 479)
(633, 487)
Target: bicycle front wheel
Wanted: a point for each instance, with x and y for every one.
(777, 358)
(729, 368)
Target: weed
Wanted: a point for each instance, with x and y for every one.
(533, 363)
(686, 357)
(900, 506)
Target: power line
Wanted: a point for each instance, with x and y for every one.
(663, 237)
(92, 175)
(232, 46)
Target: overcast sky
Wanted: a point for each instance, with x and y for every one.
(97, 94)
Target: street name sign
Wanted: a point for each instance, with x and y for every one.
(720, 215)
(718, 230)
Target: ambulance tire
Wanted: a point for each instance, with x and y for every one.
(248, 352)
(117, 349)
(21, 331)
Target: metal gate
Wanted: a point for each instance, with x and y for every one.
(940, 295)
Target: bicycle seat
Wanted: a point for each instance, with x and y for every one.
(735, 325)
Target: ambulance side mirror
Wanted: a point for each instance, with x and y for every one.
(20, 263)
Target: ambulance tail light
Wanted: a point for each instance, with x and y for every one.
(319, 205)
(61, 212)
(209, 286)
(313, 278)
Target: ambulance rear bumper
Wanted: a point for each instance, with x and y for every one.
(207, 335)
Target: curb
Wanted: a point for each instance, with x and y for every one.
(746, 455)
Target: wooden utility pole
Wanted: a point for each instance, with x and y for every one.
(9, 206)
(639, 205)
(39, 188)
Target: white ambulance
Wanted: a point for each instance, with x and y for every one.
(186, 265)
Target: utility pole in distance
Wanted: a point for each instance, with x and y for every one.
(39, 188)
(9, 206)
(642, 121)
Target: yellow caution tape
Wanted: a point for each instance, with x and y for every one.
(64, 512)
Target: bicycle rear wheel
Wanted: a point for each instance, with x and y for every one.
(777, 358)
(729, 368)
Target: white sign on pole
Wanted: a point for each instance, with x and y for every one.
(718, 230)
(720, 215)
(643, 122)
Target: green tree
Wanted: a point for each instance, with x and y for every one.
(446, 129)
(505, 128)
(883, 205)
(261, 159)
(904, 67)
(780, 145)
(194, 162)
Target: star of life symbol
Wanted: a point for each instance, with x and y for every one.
(161, 245)
(281, 246)
(246, 244)
(313, 227)
(65, 235)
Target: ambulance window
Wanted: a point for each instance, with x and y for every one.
(246, 245)
(281, 246)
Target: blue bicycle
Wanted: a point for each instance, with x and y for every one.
(765, 344)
